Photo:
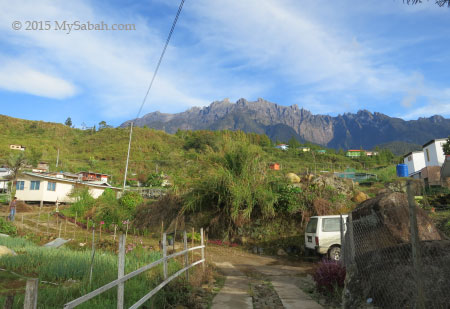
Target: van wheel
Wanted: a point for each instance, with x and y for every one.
(334, 253)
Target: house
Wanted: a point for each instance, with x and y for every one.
(5, 175)
(42, 167)
(94, 177)
(17, 147)
(353, 153)
(274, 166)
(304, 149)
(415, 161)
(40, 187)
(371, 153)
(282, 146)
(321, 151)
(434, 152)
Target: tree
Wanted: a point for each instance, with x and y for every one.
(438, 2)
(15, 162)
(102, 124)
(446, 147)
(34, 156)
(293, 143)
(68, 122)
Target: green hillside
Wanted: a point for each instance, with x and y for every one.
(182, 155)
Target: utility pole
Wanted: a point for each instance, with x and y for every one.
(128, 158)
(57, 158)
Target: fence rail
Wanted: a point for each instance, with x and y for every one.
(122, 278)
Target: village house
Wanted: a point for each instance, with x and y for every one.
(17, 147)
(416, 162)
(353, 153)
(42, 167)
(49, 188)
(434, 152)
(304, 149)
(5, 175)
(282, 146)
(94, 177)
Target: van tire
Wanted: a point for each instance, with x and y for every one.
(334, 253)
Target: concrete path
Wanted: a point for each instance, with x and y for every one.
(284, 278)
(291, 296)
(234, 293)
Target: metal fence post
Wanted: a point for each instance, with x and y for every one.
(415, 247)
(342, 240)
(165, 255)
(121, 271)
(31, 293)
(351, 245)
(186, 255)
(203, 248)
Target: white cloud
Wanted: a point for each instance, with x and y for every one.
(21, 78)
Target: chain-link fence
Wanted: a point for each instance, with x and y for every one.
(395, 257)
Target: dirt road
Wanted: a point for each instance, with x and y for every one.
(254, 281)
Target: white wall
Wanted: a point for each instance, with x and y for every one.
(435, 156)
(61, 193)
(415, 162)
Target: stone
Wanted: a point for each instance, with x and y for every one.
(281, 252)
(58, 242)
(293, 178)
(6, 251)
(360, 197)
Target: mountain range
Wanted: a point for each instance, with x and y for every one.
(361, 130)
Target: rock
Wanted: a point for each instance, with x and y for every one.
(293, 178)
(360, 197)
(58, 242)
(6, 251)
(281, 252)
(391, 211)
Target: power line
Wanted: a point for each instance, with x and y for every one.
(150, 87)
(161, 57)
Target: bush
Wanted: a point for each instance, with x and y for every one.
(130, 200)
(83, 201)
(329, 276)
(7, 227)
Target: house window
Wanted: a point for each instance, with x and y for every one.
(51, 186)
(428, 155)
(20, 185)
(35, 185)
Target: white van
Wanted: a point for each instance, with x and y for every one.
(323, 235)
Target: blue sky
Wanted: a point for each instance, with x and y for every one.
(333, 58)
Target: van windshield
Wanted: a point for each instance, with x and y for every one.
(331, 225)
(312, 226)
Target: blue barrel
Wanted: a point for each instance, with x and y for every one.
(402, 170)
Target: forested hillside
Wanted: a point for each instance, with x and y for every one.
(182, 156)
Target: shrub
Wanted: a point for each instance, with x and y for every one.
(7, 227)
(329, 276)
(130, 200)
(83, 201)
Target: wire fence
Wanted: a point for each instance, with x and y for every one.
(395, 257)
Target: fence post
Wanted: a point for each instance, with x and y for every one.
(351, 245)
(121, 271)
(342, 240)
(165, 255)
(48, 221)
(192, 240)
(186, 255)
(9, 302)
(203, 249)
(93, 254)
(415, 247)
(31, 293)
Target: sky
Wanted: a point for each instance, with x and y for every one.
(329, 57)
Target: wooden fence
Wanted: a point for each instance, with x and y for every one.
(122, 277)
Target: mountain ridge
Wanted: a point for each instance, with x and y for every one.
(349, 130)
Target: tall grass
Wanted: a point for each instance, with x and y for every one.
(69, 270)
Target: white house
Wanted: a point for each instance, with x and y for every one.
(415, 161)
(37, 187)
(17, 147)
(434, 152)
(282, 146)
(5, 173)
